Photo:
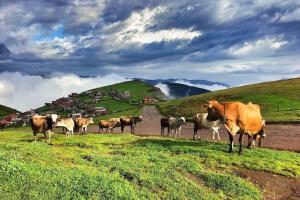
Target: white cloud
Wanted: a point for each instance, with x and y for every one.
(134, 30)
(261, 47)
(292, 16)
(165, 89)
(24, 92)
(227, 11)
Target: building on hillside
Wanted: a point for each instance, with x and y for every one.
(100, 110)
(148, 100)
(125, 95)
(97, 98)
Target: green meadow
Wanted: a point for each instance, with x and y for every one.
(115, 166)
(279, 100)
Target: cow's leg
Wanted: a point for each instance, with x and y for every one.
(195, 132)
(249, 142)
(218, 134)
(106, 129)
(213, 133)
(122, 128)
(241, 142)
(259, 141)
(230, 142)
(162, 131)
(34, 135)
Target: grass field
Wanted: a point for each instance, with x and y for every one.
(109, 166)
(279, 100)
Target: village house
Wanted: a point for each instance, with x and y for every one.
(148, 100)
(100, 110)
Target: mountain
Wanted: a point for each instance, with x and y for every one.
(4, 52)
(177, 90)
(279, 100)
(4, 110)
(114, 100)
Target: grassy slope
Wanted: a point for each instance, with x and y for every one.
(268, 95)
(130, 167)
(6, 110)
(138, 90)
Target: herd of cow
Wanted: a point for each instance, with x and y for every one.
(45, 124)
(238, 118)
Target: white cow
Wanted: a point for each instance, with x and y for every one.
(200, 122)
(67, 124)
(175, 123)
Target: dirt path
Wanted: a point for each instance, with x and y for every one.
(281, 137)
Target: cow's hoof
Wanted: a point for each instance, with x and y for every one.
(240, 153)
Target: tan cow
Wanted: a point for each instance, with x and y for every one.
(43, 124)
(130, 121)
(238, 118)
(83, 124)
(108, 124)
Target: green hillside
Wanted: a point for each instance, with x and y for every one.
(4, 110)
(111, 100)
(115, 166)
(279, 100)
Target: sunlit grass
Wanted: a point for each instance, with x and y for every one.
(117, 166)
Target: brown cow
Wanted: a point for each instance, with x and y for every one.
(130, 121)
(108, 124)
(238, 118)
(164, 123)
(43, 124)
(83, 124)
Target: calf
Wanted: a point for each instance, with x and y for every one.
(201, 122)
(259, 136)
(83, 124)
(43, 124)
(130, 121)
(164, 123)
(175, 123)
(67, 124)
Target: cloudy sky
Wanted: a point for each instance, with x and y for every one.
(231, 41)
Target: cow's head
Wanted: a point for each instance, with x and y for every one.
(212, 113)
(54, 117)
(139, 118)
(91, 121)
(263, 131)
(183, 120)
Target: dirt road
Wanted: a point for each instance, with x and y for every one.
(281, 137)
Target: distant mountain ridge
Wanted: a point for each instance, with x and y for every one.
(178, 88)
(172, 80)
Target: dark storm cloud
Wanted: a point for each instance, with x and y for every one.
(81, 36)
